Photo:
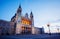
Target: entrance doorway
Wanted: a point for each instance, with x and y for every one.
(26, 30)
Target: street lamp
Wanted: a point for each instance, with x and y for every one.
(58, 30)
(48, 25)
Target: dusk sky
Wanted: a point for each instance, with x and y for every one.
(44, 11)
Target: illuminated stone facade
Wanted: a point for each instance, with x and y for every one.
(23, 23)
(19, 24)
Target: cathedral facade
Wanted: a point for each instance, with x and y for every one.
(19, 24)
(23, 24)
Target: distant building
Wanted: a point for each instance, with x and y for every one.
(6, 27)
(36, 30)
(19, 24)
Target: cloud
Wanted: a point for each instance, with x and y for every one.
(55, 21)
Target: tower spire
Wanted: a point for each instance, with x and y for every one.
(19, 9)
(31, 15)
(20, 6)
(26, 15)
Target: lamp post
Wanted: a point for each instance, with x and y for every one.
(58, 30)
(48, 25)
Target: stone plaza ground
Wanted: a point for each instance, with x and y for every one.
(40, 36)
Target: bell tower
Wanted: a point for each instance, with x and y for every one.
(31, 17)
(18, 23)
(19, 14)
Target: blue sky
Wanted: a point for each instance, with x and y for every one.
(44, 11)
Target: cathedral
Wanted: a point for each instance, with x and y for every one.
(19, 24)
(23, 24)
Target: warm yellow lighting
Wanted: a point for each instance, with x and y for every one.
(23, 28)
(25, 21)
